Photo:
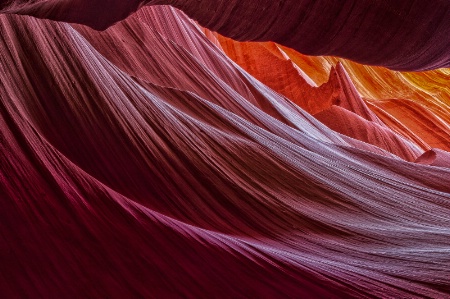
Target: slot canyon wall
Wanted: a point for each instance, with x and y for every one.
(196, 149)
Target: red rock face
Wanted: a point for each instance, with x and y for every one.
(141, 161)
(403, 35)
(407, 105)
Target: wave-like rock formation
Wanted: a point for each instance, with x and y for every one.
(141, 161)
(401, 34)
(413, 105)
(435, 157)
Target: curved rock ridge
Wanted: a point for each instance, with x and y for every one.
(141, 161)
(402, 35)
(412, 105)
(130, 40)
(435, 157)
(350, 124)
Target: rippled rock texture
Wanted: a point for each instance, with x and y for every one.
(402, 34)
(414, 105)
(158, 159)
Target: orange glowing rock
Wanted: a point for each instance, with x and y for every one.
(413, 107)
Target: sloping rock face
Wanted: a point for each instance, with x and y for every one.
(141, 161)
(403, 35)
(414, 105)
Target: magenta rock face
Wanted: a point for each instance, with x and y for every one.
(435, 157)
(141, 162)
(401, 34)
